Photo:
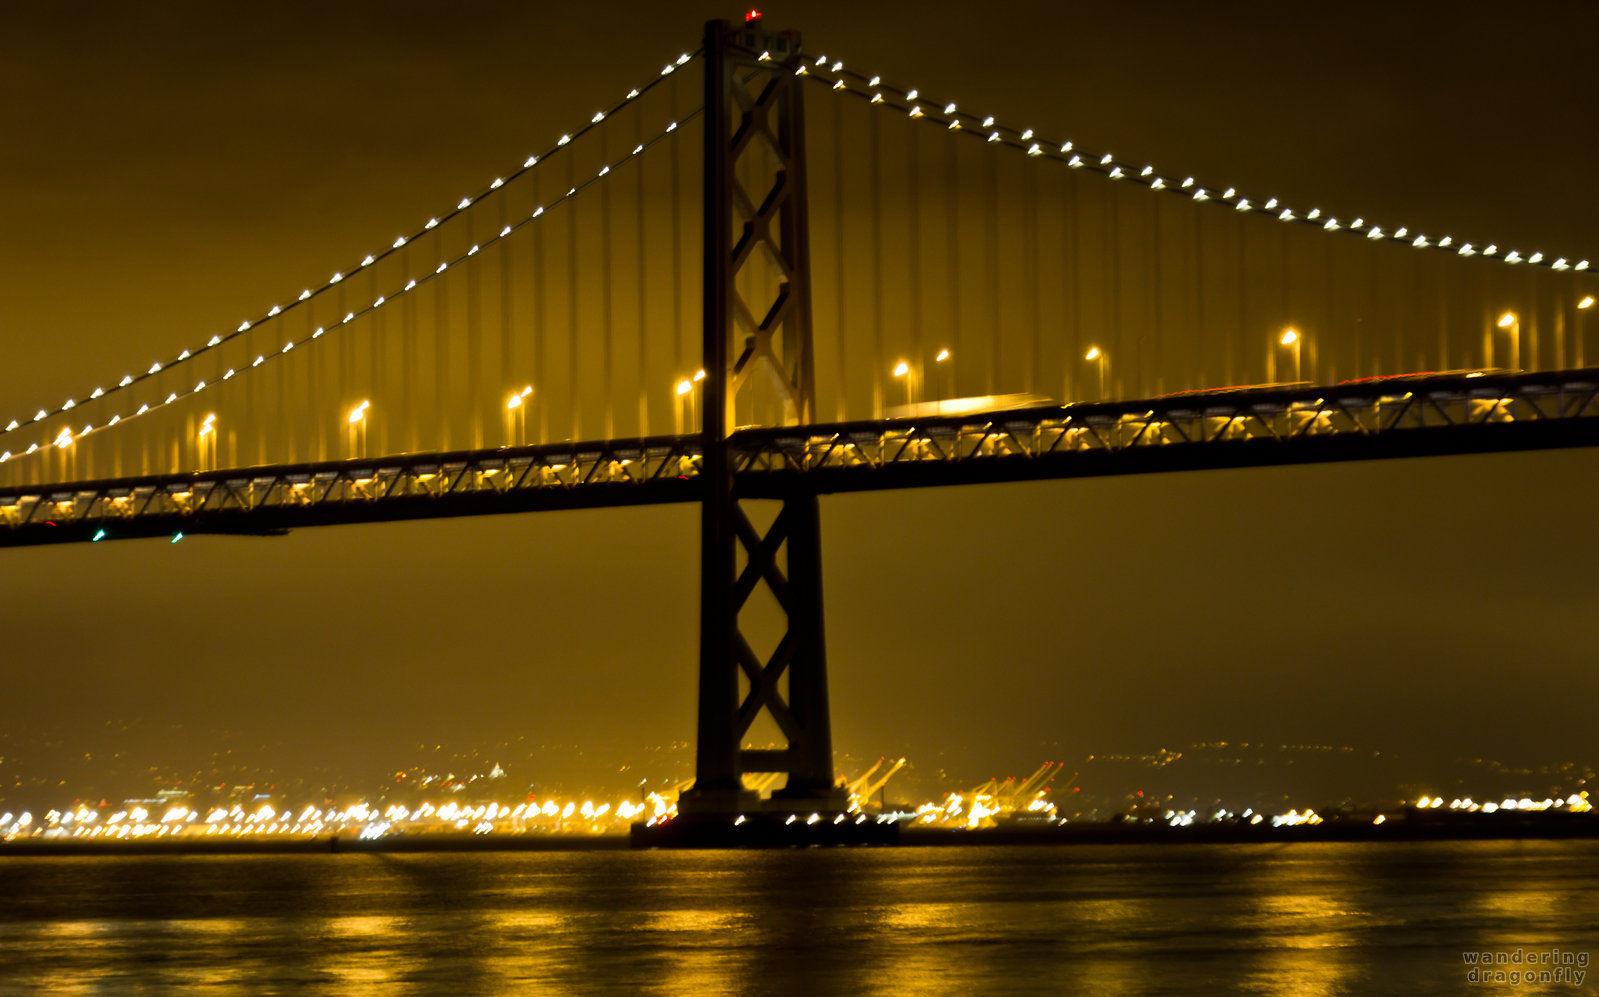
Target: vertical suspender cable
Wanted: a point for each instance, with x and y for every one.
(412, 375)
(840, 340)
(377, 381)
(1114, 229)
(991, 233)
(643, 339)
(1074, 284)
(1238, 332)
(877, 266)
(1199, 293)
(510, 377)
(1442, 281)
(441, 348)
(676, 151)
(573, 367)
(540, 375)
(1033, 312)
(913, 233)
(952, 200)
(1156, 271)
(474, 338)
(605, 291)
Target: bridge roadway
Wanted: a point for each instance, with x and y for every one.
(1415, 416)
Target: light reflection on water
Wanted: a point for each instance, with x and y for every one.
(1303, 920)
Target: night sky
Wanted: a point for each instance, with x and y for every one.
(168, 168)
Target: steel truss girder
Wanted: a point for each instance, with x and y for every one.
(271, 499)
(1426, 417)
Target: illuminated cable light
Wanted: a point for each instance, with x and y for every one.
(1200, 195)
(1492, 249)
(228, 374)
(114, 420)
(988, 122)
(41, 415)
(1445, 241)
(875, 81)
(69, 404)
(1035, 150)
(1375, 233)
(1286, 216)
(432, 223)
(349, 318)
(1331, 225)
(950, 109)
(258, 361)
(916, 111)
(1242, 205)
(1157, 184)
(564, 139)
(143, 409)
(474, 249)
(1271, 205)
(912, 95)
(1512, 257)
(1115, 173)
(441, 268)
(1419, 242)
(837, 66)
(1105, 159)
(503, 233)
(171, 398)
(1466, 250)
(877, 98)
(11, 425)
(637, 149)
(994, 137)
(839, 85)
(1582, 266)
(1076, 161)
(155, 368)
(1560, 264)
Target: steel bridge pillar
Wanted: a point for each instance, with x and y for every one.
(754, 118)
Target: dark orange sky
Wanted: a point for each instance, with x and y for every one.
(164, 172)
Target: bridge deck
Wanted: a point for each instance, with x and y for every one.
(1397, 417)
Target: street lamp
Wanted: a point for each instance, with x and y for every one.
(684, 410)
(1293, 340)
(1511, 321)
(1095, 353)
(903, 369)
(942, 356)
(208, 442)
(516, 416)
(1583, 308)
(358, 428)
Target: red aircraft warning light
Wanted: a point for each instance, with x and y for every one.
(752, 17)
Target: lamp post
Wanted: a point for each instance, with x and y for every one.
(903, 369)
(516, 416)
(1293, 340)
(1096, 354)
(944, 359)
(683, 411)
(208, 443)
(357, 422)
(1512, 321)
(1583, 307)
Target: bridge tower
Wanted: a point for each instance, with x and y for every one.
(753, 99)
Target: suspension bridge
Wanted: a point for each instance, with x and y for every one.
(889, 290)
